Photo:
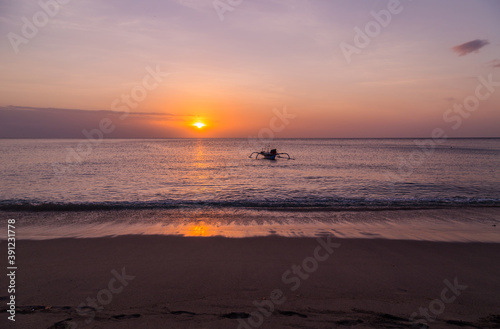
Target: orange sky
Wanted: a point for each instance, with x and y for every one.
(264, 55)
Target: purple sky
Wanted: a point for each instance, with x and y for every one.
(402, 76)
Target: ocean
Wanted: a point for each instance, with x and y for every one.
(175, 182)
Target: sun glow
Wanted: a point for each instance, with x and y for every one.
(199, 124)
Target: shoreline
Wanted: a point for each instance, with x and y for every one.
(453, 225)
(216, 282)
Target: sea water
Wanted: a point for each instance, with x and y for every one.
(181, 181)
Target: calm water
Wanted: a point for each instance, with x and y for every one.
(326, 173)
(349, 188)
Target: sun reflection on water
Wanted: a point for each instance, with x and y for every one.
(198, 229)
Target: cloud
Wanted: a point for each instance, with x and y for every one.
(34, 122)
(470, 47)
(196, 4)
(494, 63)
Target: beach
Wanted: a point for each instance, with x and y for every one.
(194, 234)
(215, 282)
(230, 164)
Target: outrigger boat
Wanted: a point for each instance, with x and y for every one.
(271, 154)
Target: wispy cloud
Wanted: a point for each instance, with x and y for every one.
(470, 47)
(200, 5)
(494, 63)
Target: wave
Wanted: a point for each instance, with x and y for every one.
(340, 204)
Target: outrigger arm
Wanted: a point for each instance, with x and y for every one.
(288, 155)
(253, 154)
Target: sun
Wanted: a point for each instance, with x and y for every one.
(199, 124)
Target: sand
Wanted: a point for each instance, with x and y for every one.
(194, 282)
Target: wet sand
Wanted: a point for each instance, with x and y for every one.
(469, 224)
(266, 282)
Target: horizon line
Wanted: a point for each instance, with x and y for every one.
(277, 138)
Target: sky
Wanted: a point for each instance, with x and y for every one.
(273, 68)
